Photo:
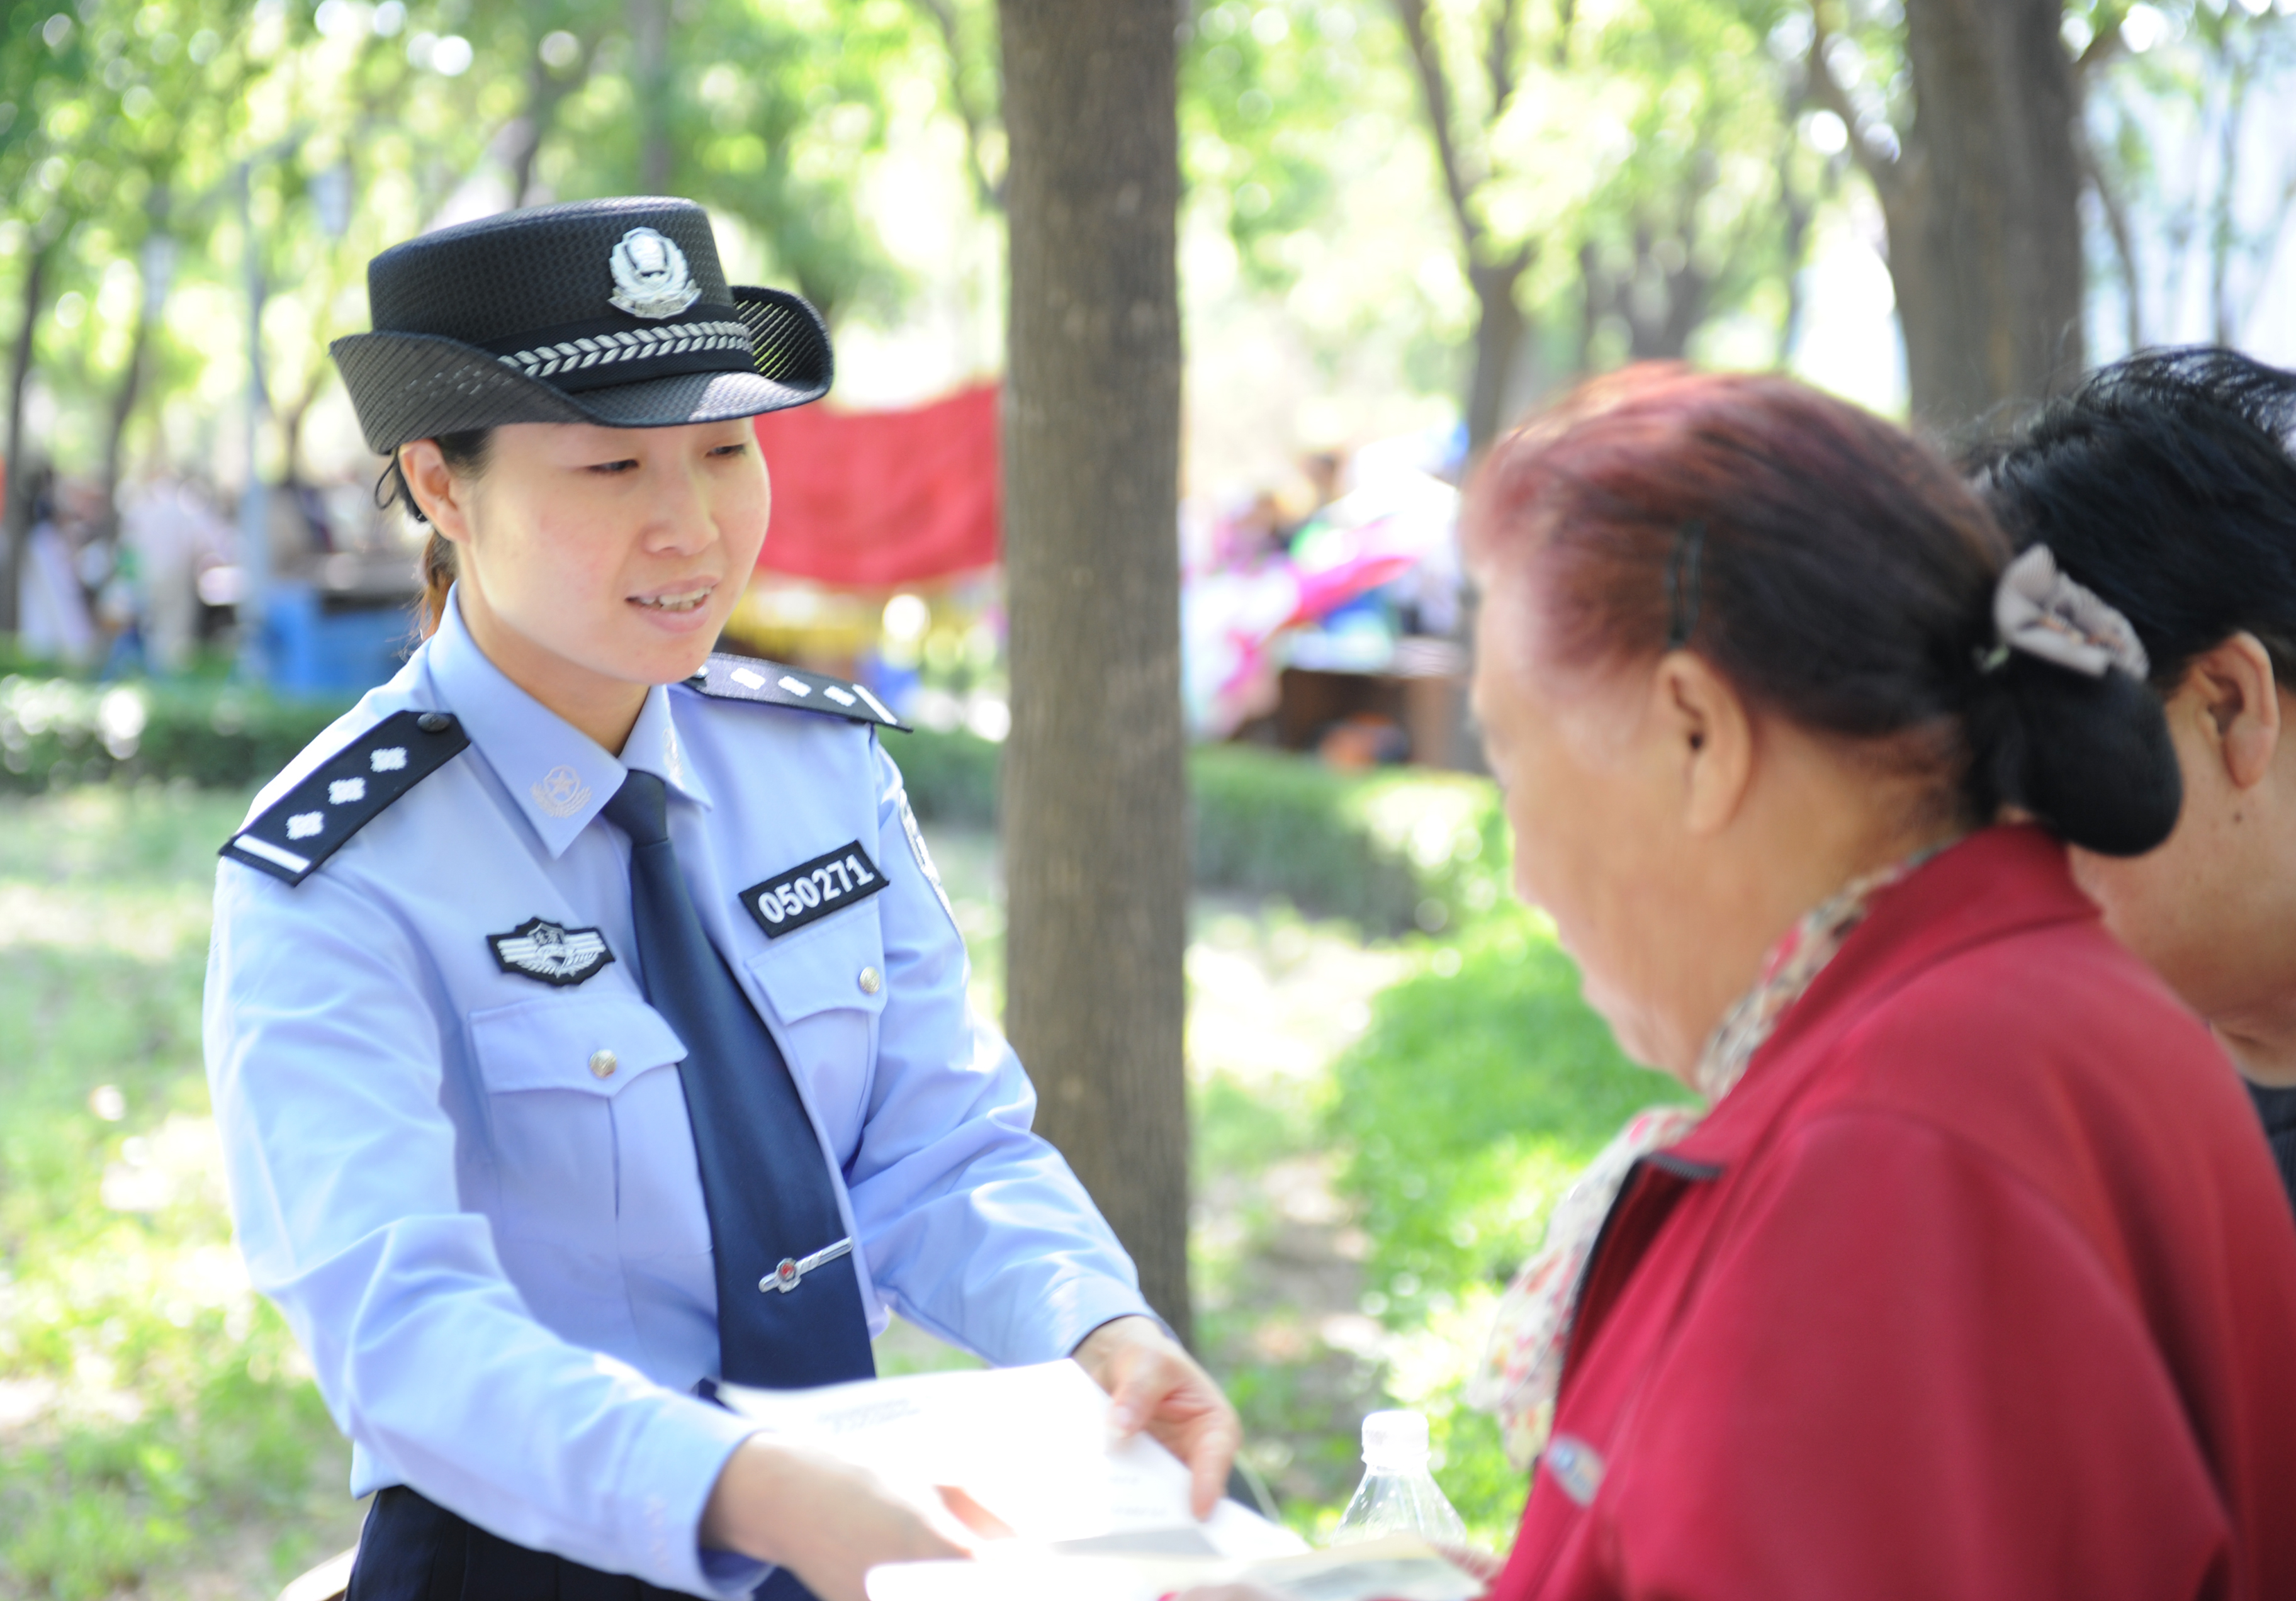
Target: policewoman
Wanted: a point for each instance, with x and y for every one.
(585, 1019)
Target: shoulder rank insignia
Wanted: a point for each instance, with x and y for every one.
(346, 792)
(546, 951)
(743, 678)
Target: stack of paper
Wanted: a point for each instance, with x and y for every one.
(1094, 1518)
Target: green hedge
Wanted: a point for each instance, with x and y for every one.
(1391, 851)
(57, 731)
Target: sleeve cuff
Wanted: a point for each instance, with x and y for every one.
(678, 1459)
(1074, 1311)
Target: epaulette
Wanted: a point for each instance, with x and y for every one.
(744, 678)
(346, 792)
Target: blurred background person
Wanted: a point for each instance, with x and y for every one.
(52, 608)
(173, 530)
(2164, 483)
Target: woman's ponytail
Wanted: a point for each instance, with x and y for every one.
(438, 578)
(2060, 722)
(465, 455)
(2090, 759)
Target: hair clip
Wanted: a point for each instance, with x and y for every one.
(1682, 583)
(2040, 610)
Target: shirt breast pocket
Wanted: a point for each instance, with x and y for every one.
(572, 1083)
(827, 987)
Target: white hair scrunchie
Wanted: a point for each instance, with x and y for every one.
(2040, 610)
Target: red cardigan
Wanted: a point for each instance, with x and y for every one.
(1980, 1284)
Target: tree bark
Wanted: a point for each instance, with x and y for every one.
(1985, 237)
(1094, 828)
(1498, 335)
(650, 46)
(123, 410)
(16, 518)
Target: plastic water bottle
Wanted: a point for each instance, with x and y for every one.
(1398, 1495)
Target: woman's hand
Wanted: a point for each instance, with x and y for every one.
(1157, 1386)
(827, 1520)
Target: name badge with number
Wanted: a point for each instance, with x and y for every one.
(813, 889)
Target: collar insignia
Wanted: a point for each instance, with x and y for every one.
(553, 954)
(651, 278)
(560, 791)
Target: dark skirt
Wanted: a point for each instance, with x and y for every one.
(414, 1550)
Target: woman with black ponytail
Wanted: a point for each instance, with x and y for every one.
(1968, 1277)
(2165, 483)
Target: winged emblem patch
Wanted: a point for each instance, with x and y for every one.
(549, 953)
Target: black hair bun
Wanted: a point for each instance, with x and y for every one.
(2090, 757)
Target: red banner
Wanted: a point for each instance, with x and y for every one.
(875, 500)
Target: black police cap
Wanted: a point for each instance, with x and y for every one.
(609, 311)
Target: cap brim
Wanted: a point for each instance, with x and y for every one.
(416, 386)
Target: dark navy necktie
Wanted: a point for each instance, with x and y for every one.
(789, 1301)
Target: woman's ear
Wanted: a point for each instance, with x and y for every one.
(1711, 736)
(442, 498)
(2234, 689)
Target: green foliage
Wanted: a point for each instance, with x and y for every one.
(1483, 1082)
(170, 1404)
(1388, 851)
(951, 777)
(55, 732)
(1264, 89)
(1482, 1086)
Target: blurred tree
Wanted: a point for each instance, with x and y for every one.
(2173, 139)
(1469, 67)
(1698, 207)
(1627, 172)
(1094, 800)
(1970, 146)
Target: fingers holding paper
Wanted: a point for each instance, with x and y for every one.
(824, 1519)
(1154, 1384)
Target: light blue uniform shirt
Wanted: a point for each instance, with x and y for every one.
(497, 1260)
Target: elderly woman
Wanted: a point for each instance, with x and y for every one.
(2165, 484)
(1972, 1280)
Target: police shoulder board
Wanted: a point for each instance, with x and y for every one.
(346, 792)
(769, 683)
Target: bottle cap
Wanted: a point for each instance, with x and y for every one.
(1394, 1440)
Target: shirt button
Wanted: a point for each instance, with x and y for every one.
(434, 722)
(870, 983)
(602, 1064)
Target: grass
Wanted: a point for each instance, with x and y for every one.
(1379, 1125)
(154, 1415)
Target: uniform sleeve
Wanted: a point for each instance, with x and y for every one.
(973, 1227)
(324, 1063)
(1907, 1375)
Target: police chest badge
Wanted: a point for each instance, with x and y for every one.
(651, 278)
(549, 953)
(811, 890)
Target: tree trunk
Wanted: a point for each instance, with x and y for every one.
(123, 410)
(1094, 825)
(1498, 337)
(16, 510)
(650, 44)
(1984, 225)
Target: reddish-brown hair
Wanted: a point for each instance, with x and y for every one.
(1832, 568)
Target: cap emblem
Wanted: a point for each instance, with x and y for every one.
(651, 278)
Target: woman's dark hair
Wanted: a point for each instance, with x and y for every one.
(466, 454)
(1835, 570)
(2164, 483)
